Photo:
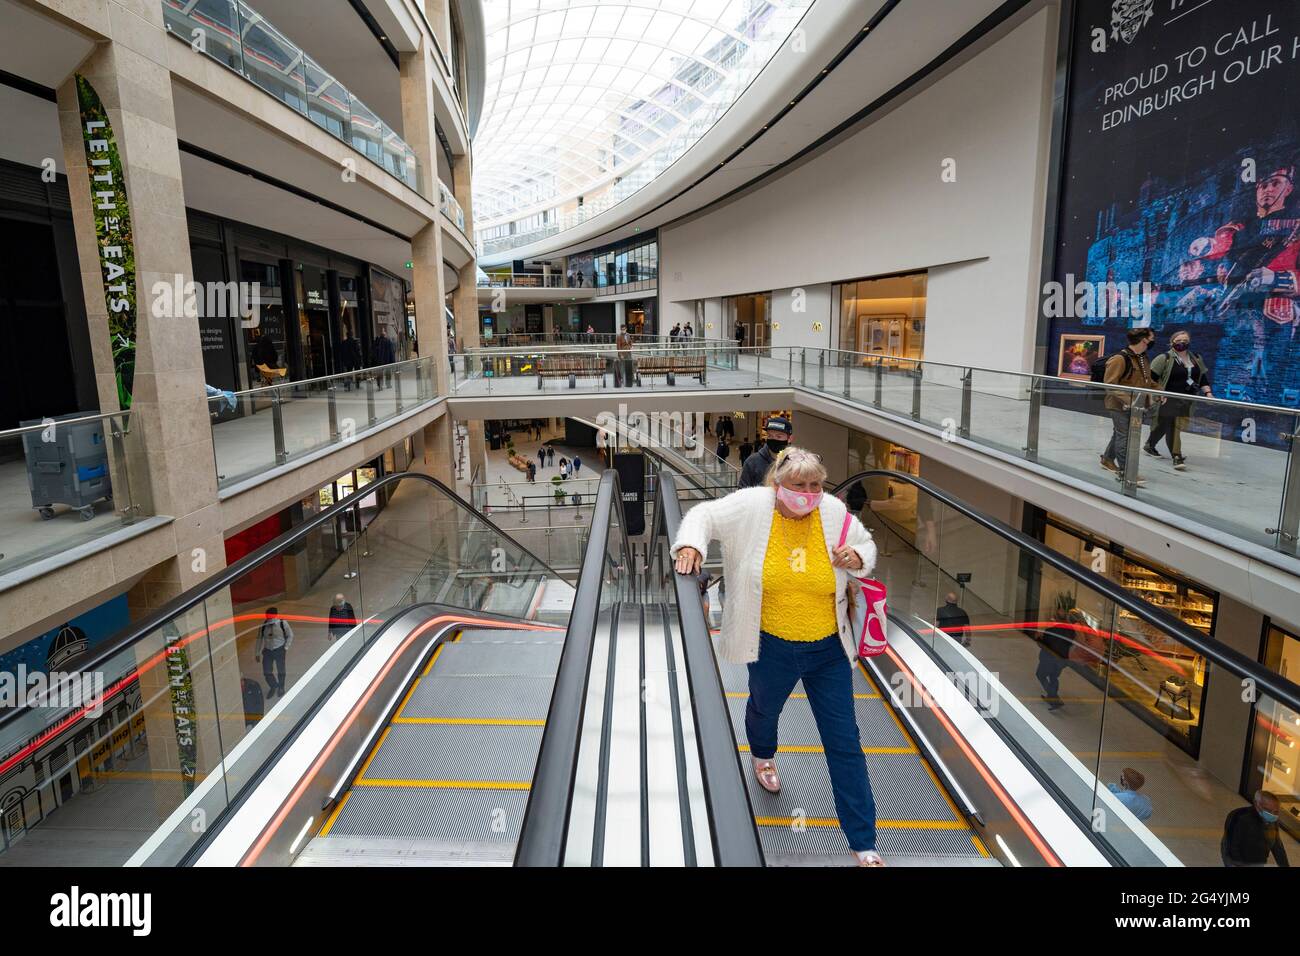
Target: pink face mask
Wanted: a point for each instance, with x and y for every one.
(801, 503)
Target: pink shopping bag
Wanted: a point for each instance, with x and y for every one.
(869, 614)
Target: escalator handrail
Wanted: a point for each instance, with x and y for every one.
(147, 625)
(544, 828)
(731, 815)
(1231, 660)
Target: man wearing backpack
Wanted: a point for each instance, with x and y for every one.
(273, 640)
(1127, 368)
(1182, 372)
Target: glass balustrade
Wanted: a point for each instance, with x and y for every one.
(1240, 472)
(262, 428)
(197, 698)
(1084, 687)
(236, 35)
(67, 482)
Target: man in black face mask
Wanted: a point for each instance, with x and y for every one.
(756, 465)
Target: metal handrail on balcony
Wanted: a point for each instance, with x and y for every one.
(234, 34)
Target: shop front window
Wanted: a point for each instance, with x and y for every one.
(1275, 749)
(884, 317)
(313, 322)
(748, 318)
(1154, 676)
(264, 333)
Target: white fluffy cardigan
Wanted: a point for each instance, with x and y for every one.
(742, 521)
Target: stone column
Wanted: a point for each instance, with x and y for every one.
(419, 125)
(169, 447)
(169, 409)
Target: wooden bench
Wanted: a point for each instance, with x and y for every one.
(572, 367)
(671, 366)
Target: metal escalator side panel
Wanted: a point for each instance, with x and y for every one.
(586, 816)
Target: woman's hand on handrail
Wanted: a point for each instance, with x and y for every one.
(689, 561)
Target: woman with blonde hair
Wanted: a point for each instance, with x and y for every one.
(788, 618)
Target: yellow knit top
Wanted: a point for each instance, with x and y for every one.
(798, 580)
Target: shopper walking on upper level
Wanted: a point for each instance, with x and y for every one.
(383, 354)
(577, 465)
(1182, 373)
(780, 545)
(626, 367)
(349, 356)
(756, 466)
(1127, 368)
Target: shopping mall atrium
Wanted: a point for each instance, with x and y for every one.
(406, 407)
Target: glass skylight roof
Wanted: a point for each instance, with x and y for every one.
(594, 99)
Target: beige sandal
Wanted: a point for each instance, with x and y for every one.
(765, 771)
(869, 858)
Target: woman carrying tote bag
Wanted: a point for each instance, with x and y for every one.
(790, 560)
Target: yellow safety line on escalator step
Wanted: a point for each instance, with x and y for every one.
(371, 757)
(433, 659)
(473, 721)
(888, 709)
(338, 808)
(810, 749)
(979, 844)
(448, 784)
(880, 824)
(405, 700)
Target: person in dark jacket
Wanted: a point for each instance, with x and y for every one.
(954, 620)
(349, 356)
(723, 450)
(1251, 835)
(1054, 655)
(756, 465)
(383, 354)
(342, 617)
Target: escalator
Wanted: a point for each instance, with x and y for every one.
(474, 708)
(975, 756)
(447, 780)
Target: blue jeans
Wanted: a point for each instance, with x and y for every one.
(828, 680)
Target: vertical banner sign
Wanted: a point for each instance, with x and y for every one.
(182, 695)
(113, 234)
(631, 476)
(1179, 206)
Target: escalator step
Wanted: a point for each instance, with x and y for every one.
(784, 844)
(735, 680)
(496, 636)
(797, 727)
(442, 752)
(511, 658)
(485, 697)
(451, 816)
(899, 782)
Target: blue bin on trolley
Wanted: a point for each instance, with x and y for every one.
(67, 464)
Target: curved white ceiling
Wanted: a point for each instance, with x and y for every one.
(581, 94)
